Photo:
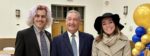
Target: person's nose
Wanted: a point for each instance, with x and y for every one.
(107, 25)
(71, 21)
(40, 17)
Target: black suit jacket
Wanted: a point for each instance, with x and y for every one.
(27, 44)
(61, 45)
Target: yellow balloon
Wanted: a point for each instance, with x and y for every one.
(135, 52)
(139, 46)
(145, 39)
(148, 31)
(142, 15)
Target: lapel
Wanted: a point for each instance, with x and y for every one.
(67, 42)
(34, 38)
(81, 42)
(48, 35)
(119, 45)
(104, 48)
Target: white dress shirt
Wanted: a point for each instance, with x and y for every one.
(37, 32)
(76, 39)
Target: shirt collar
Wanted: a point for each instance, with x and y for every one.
(76, 33)
(38, 30)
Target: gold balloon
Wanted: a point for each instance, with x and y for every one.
(135, 52)
(142, 15)
(145, 39)
(139, 46)
(148, 31)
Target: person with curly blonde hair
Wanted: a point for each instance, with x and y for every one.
(35, 40)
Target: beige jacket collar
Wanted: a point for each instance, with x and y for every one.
(113, 49)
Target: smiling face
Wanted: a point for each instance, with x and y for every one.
(108, 25)
(40, 19)
(72, 22)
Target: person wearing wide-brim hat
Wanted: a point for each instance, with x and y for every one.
(110, 41)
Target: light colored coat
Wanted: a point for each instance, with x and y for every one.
(120, 48)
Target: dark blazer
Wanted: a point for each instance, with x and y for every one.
(27, 44)
(61, 45)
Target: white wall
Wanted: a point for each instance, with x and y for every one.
(9, 21)
(8, 18)
(93, 8)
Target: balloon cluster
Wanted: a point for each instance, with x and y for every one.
(142, 37)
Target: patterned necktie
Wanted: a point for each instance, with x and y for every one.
(74, 45)
(44, 49)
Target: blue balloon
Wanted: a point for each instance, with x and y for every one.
(141, 53)
(148, 46)
(136, 38)
(140, 31)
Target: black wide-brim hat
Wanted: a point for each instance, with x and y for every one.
(115, 18)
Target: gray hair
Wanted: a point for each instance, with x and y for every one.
(33, 11)
(74, 11)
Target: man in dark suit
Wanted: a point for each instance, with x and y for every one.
(72, 42)
(35, 41)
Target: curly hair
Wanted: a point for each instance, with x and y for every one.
(33, 11)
